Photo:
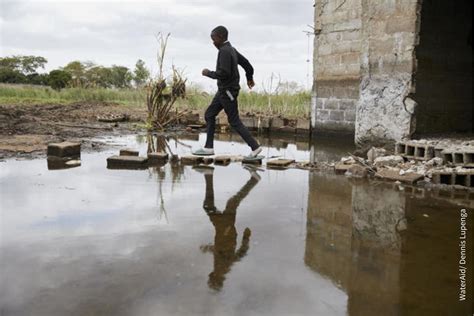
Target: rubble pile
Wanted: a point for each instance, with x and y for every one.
(435, 162)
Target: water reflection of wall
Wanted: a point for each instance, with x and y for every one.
(329, 228)
(348, 231)
(391, 252)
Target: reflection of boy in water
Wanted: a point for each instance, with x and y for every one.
(225, 240)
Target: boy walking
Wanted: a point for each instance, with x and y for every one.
(228, 84)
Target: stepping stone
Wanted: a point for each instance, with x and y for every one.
(60, 163)
(127, 162)
(157, 158)
(253, 160)
(192, 160)
(280, 163)
(207, 160)
(222, 160)
(129, 152)
(64, 149)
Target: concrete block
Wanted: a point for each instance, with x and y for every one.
(127, 162)
(129, 152)
(424, 152)
(336, 115)
(277, 123)
(263, 123)
(157, 158)
(280, 163)
(303, 126)
(462, 177)
(249, 122)
(207, 160)
(64, 149)
(350, 115)
(469, 159)
(400, 148)
(189, 119)
(222, 160)
(331, 104)
(192, 160)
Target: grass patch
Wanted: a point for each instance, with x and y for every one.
(285, 104)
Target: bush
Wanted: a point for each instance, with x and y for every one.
(59, 79)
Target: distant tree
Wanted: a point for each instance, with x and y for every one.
(59, 79)
(22, 69)
(23, 64)
(38, 79)
(121, 76)
(99, 76)
(141, 73)
(77, 70)
(11, 76)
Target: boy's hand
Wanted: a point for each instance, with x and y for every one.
(250, 84)
(205, 72)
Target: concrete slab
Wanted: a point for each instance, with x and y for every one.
(222, 160)
(279, 163)
(157, 158)
(64, 149)
(207, 160)
(249, 122)
(129, 152)
(127, 162)
(192, 160)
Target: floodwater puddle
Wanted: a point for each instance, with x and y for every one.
(223, 240)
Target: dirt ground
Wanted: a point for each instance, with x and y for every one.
(25, 130)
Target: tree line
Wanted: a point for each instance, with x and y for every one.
(77, 74)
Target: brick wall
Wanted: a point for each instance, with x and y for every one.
(336, 65)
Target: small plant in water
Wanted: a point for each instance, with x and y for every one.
(161, 96)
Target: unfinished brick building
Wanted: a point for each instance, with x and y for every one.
(389, 69)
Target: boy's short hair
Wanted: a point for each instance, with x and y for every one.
(221, 31)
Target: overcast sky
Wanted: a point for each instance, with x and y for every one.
(268, 32)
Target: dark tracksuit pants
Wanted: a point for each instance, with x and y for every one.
(222, 101)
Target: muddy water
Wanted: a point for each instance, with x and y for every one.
(178, 240)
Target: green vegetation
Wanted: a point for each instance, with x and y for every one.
(24, 70)
(289, 104)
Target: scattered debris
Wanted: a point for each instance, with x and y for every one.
(375, 153)
(113, 118)
(357, 171)
(394, 175)
(388, 161)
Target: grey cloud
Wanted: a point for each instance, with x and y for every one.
(269, 32)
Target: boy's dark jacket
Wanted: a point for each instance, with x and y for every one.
(227, 72)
